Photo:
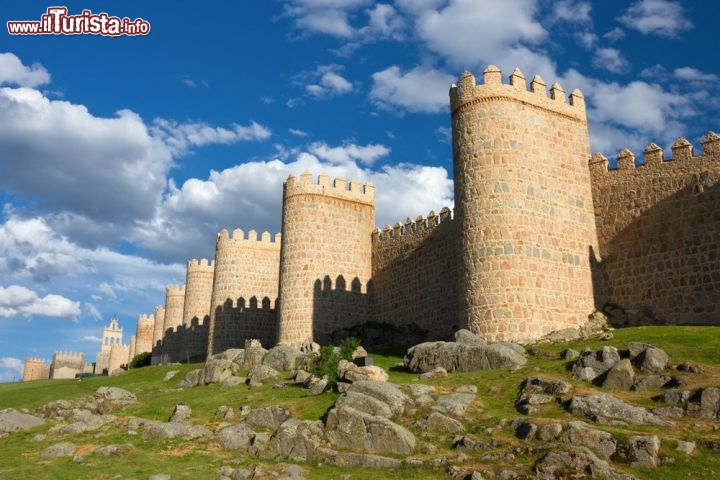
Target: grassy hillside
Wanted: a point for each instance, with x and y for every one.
(497, 391)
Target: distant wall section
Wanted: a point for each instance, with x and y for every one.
(415, 274)
(659, 233)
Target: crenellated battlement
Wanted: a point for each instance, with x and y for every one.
(251, 241)
(338, 188)
(467, 93)
(421, 225)
(68, 355)
(35, 360)
(653, 157)
(201, 265)
(146, 318)
(175, 290)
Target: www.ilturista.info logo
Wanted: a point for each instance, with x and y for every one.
(57, 22)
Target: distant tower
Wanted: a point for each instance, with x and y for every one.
(35, 369)
(112, 335)
(144, 334)
(158, 334)
(174, 302)
(245, 290)
(524, 206)
(326, 251)
(196, 310)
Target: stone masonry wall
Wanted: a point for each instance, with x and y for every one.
(66, 364)
(326, 231)
(144, 334)
(35, 369)
(196, 311)
(523, 204)
(659, 231)
(172, 325)
(158, 334)
(245, 290)
(415, 274)
(118, 357)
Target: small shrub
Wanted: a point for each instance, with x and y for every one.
(327, 362)
(140, 360)
(348, 347)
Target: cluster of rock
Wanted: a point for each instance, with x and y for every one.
(70, 418)
(469, 352)
(616, 369)
(374, 423)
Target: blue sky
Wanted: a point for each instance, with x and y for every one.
(121, 157)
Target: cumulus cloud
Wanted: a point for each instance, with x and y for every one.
(471, 33)
(331, 17)
(249, 195)
(610, 59)
(14, 72)
(572, 11)
(17, 300)
(659, 17)
(366, 154)
(62, 156)
(180, 137)
(31, 250)
(630, 114)
(694, 75)
(11, 369)
(325, 81)
(418, 90)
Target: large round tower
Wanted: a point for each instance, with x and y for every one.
(174, 303)
(244, 290)
(196, 310)
(144, 334)
(325, 260)
(524, 206)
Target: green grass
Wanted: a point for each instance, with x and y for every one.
(497, 391)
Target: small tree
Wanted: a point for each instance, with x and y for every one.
(140, 360)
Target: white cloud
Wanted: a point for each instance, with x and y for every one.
(572, 11)
(13, 72)
(30, 250)
(180, 137)
(471, 33)
(11, 369)
(366, 154)
(329, 17)
(330, 84)
(92, 339)
(630, 115)
(249, 195)
(615, 34)
(384, 22)
(444, 134)
(297, 132)
(17, 300)
(92, 311)
(189, 82)
(610, 59)
(660, 17)
(109, 169)
(418, 90)
(324, 82)
(694, 75)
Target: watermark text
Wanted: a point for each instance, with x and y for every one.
(56, 21)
